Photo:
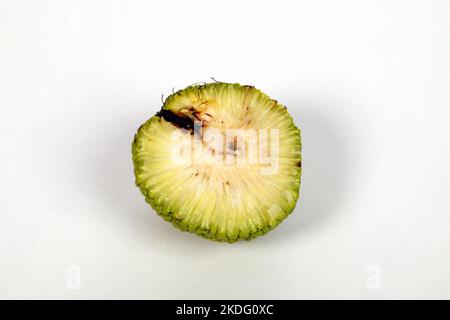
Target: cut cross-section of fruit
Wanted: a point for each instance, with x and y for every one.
(220, 160)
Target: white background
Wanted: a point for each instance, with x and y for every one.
(366, 81)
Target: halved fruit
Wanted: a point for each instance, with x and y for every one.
(220, 160)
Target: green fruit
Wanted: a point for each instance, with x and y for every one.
(220, 160)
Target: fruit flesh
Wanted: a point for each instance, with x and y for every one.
(224, 202)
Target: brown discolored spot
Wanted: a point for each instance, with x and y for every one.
(176, 120)
(275, 102)
(232, 145)
(197, 116)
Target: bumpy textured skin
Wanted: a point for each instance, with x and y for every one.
(170, 216)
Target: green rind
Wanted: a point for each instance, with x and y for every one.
(208, 234)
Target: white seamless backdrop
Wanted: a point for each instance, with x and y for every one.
(366, 81)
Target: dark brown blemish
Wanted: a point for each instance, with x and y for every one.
(197, 116)
(232, 145)
(176, 120)
(275, 102)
